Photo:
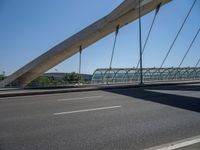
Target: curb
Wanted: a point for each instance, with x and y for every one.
(82, 89)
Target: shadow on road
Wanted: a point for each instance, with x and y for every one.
(179, 101)
(179, 88)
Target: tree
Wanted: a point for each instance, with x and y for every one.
(49, 81)
(72, 77)
(2, 77)
(45, 81)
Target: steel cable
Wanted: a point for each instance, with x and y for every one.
(80, 52)
(197, 63)
(114, 44)
(177, 34)
(189, 48)
(113, 50)
(148, 35)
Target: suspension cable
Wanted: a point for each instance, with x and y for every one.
(147, 38)
(177, 34)
(80, 52)
(113, 50)
(114, 44)
(197, 63)
(189, 48)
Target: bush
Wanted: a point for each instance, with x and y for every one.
(72, 77)
(2, 77)
(45, 81)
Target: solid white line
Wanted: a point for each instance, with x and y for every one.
(86, 110)
(78, 98)
(178, 144)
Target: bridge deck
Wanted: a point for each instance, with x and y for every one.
(107, 119)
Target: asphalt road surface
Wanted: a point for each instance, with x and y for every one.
(119, 119)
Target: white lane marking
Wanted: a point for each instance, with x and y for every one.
(87, 110)
(78, 98)
(178, 144)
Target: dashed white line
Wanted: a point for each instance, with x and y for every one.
(177, 144)
(79, 98)
(87, 110)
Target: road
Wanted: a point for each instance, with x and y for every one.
(120, 119)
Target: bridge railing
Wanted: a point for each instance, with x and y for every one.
(132, 75)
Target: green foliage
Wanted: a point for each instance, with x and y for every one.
(46, 81)
(2, 77)
(50, 81)
(72, 77)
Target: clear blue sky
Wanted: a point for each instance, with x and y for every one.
(29, 28)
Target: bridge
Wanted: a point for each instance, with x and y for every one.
(128, 11)
(125, 13)
(156, 108)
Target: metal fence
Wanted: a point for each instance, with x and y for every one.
(130, 75)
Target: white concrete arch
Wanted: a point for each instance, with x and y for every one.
(125, 13)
